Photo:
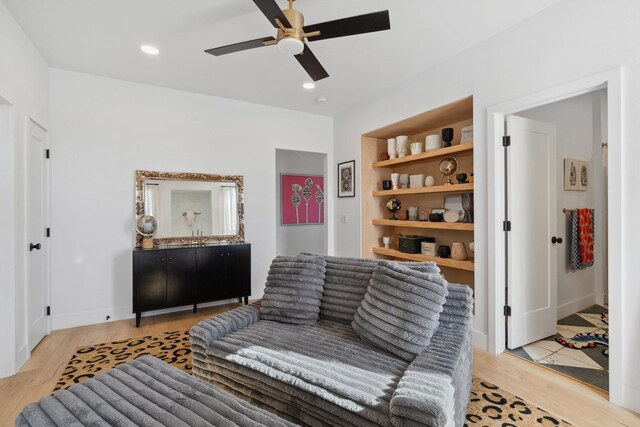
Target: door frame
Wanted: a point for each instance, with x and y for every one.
(612, 81)
(46, 243)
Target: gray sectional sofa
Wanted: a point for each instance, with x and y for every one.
(328, 372)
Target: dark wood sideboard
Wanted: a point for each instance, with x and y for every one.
(174, 276)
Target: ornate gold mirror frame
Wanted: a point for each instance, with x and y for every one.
(238, 180)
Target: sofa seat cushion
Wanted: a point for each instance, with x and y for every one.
(324, 369)
(401, 308)
(294, 289)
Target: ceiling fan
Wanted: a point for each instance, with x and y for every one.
(292, 34)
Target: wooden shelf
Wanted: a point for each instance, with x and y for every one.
(443, 262)
(453, 188)
(441, 152)
(460, 226)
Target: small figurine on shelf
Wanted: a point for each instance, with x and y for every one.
(394, 206)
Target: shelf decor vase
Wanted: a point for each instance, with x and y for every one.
(458, 251)
(467, 205)
(402, 145)
(391, 148)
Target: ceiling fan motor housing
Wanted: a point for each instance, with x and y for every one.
(296, 31)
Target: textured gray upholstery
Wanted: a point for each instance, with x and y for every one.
(294, 289)
(401, 308)
(325, 375)
(145, 392)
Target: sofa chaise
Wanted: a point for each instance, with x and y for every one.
(331, 370)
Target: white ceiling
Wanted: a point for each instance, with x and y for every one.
(104, 38)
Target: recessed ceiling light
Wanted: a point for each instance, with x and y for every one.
(150, 49)
(321, 99)
(309, 85)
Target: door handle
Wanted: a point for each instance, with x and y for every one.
(555, 240)
(32, 246)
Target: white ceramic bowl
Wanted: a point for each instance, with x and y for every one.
(434, 142)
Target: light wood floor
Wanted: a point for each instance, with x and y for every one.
(575, 402)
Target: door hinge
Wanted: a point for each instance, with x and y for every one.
(506, 225)
(48, 310)
(507, 311)
(48, 231)
(47, 153)
(506, 141)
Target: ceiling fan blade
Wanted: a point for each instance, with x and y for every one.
(311, 64)
(369, 23)
(237, 47)
(271, 10)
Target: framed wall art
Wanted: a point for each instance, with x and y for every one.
(583, 176)
(571, 168)
(302, 199)
(347, 179)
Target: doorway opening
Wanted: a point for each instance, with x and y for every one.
(559, 277)
(300, 202)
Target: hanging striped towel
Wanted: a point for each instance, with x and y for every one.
(581, 250)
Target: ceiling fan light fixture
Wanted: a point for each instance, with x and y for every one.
(291, 46)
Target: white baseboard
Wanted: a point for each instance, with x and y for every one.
(576, 305)
(480, 340)
(22, 355)
(92, 317)
(631, 399)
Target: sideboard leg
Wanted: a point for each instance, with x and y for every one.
(246, 300)
(195, 308)
(138, 317)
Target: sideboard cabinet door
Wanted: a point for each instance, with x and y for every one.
(211, 273)
(238, 271)
(181, 277)
(149, 280)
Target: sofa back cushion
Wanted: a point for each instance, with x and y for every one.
(401, 308)
(345, 284)
(294, 289)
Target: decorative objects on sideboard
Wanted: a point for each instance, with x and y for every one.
(347, 179)
(416, 181)
(448, 167)
(385, 241)
(461, 178)
(429, 181)
(404, 180)
(413, 213)
(416, 147)
(168, 195)
(429, 246)
(386, 184)
(146, 225)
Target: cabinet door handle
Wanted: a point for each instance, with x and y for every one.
(161, 259)
(170, 259)
(227, 254)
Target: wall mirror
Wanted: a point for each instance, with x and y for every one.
(191, 208)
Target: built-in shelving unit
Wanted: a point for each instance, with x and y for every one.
(376, 219)
(443, 262)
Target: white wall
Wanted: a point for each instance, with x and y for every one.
(293, 239)
(577, 122)
(24, 94)
(105, 129)
(572, 40)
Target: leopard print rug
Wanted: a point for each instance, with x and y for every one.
(489, 405)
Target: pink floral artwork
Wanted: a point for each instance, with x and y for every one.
(302, 199)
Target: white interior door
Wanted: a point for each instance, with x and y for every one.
(36, 283)
(531, 256)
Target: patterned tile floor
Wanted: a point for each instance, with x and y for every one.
(589, 365)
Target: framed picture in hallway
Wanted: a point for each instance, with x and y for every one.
(583, 176)
(347, 179)
(571, 174)
(302, 199)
